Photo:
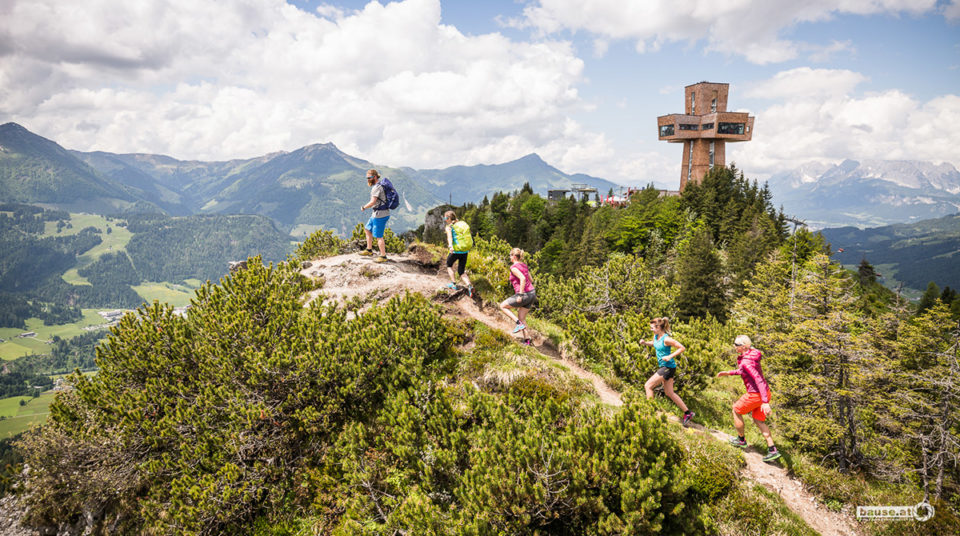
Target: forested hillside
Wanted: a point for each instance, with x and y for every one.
(174, 249)
(914, 254)
(257, 414)
(37, 254)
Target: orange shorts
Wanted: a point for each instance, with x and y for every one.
(751, 402)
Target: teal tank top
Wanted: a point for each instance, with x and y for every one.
(663, 351)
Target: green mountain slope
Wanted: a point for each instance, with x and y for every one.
(468, 184)
(34, 169)
(145, 184)
(916, 253)
(317, 186)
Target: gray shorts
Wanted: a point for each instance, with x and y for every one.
(667, 372)
(526, 300)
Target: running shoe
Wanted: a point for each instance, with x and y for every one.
(737, 442)
(519, 327)
(470, 291)
(366, 253)
(687, 417)
(381, 258)
(528, 342)
(771, 456)
(452, 285)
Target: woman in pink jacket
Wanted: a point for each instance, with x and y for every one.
(525, 297)
(756, 401)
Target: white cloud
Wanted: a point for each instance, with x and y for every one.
(951, 11)
(822, 54)
(836, 123)
(806, 82)
(212, 80)
(750, 28)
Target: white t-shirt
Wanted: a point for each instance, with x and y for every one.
(377, 191)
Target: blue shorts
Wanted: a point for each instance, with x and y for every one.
(376, 226)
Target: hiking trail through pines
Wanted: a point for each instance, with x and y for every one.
(349, 276)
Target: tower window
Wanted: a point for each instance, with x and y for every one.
(689, 159)
(713, 105)
(689, 127)
(730, 128)
(693, 102)
(711, 153)
(666, 130)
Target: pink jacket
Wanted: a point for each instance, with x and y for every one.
(748, 368)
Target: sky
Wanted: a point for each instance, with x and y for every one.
(435, 83)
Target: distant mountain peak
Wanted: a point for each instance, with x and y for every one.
(868, 192)
(322, 147)
(532, 158)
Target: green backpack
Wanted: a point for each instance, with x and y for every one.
(462, 241)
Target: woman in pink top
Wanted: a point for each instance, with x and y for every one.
(756, 401)
(525, 297)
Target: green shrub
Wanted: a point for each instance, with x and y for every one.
(712, 468)
(514, 465)
(322, 243)
(201, 424)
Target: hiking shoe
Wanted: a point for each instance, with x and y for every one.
(470, 291)
(519, 327)
(381, 258)
(366, 253)
(688, 416)
(528, 342)
(737, 442)
(771, 456)
(452, 285)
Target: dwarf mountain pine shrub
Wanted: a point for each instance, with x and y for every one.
(198, 425)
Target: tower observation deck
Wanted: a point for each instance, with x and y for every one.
(704, 129)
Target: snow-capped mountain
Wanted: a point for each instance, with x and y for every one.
(868, 193)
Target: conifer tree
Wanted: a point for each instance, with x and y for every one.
(700, 288)
(818, 365)
(865, 273)
(929, 298)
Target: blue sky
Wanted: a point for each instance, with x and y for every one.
(434, 83)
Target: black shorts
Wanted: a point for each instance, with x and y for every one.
(667, 372)
(460, 258)
(527, 300)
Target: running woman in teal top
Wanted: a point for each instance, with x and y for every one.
(667, 351)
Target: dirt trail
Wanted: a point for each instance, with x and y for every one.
(776, 479)
(348, 276)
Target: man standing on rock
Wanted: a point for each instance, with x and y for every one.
(378, 220)
(756, 401)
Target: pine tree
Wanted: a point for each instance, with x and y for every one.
(929, 298)
(818, 365)
(700, 289)
(866, 273)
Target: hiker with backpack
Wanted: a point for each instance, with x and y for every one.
(460, 243)
(667, 349)
(756, 401)
(525, 297)
(383, 198)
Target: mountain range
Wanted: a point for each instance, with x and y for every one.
(867, 193)
(912, 253)
(316, 186)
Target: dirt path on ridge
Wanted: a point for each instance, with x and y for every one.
(349, 276)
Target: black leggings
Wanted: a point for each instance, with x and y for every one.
(460, 258)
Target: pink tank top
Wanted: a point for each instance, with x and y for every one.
(515, 281)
